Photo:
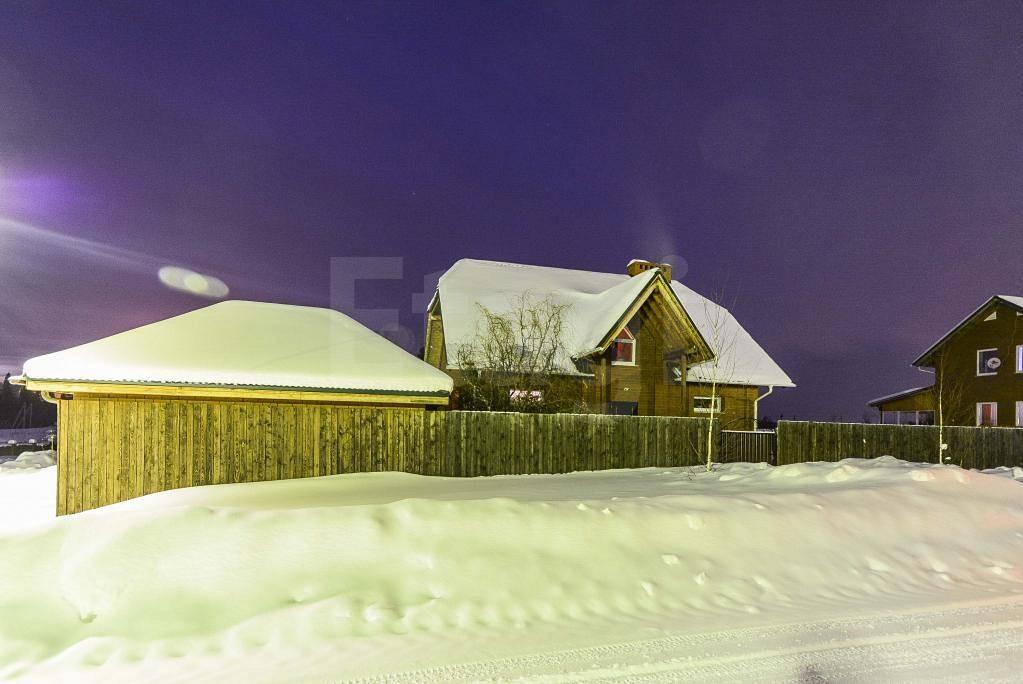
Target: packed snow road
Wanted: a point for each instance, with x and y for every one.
(854, 571)
(954, 644)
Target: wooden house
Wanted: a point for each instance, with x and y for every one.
(977, 369)
(637, 343)
(235, 392)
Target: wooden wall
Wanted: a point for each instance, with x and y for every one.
(969, 447)
(111, 449)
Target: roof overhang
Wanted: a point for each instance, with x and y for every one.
(235, 393)
(905, 394)
(926, 359)
(698, 352)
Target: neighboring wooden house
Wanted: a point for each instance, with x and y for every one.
(978, 371)
(639, 343)
(235, 392)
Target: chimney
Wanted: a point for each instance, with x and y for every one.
(637, 266)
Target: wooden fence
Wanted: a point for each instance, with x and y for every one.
(969, 447)
(112, 449)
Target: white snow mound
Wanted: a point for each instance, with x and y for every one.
(373, 572)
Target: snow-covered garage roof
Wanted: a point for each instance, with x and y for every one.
(596, 300)
(248, 344)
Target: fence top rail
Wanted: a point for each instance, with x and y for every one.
(749, 432)
(582, 415)
(890, 425)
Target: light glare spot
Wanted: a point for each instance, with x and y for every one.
(184, 280)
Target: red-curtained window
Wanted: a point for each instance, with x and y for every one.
(623, 350)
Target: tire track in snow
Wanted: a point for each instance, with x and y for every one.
(955, 643)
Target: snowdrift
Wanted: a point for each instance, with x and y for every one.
(358, 564)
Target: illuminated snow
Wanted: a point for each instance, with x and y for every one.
(374, 574)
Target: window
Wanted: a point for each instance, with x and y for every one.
(1019, 358)
(907, 417)
(987, 414)
(704, 404)
(988, 362)
(673, 372)
(525, 396)
(992, 317)
(1019, 414)
(623, 408)
(623, 350)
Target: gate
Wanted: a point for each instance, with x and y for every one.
(750, 446)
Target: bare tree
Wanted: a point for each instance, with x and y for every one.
(516, 361)
(948, 402)
(719, 370)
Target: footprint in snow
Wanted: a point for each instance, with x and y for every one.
(922, 475)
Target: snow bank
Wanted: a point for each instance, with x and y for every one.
(361, 574)
(31, 460)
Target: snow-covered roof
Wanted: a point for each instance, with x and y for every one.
(596, 302)
(248, 344)
(1012, 300)
(899, 395)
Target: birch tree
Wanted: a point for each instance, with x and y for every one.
(719, 370)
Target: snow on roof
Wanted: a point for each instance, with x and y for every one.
(248, 344)
(1013, 299)
(899, 395)
(596, 302)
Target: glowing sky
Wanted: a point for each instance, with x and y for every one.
(850, 175)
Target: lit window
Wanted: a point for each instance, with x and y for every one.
(987, 414)
(623, 351)
(706, 405)
(988, 362)
(1019, 414)
(1019, 358)
(517, 395)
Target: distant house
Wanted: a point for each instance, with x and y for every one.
(637, 343)
(238, 391)
(978, 372)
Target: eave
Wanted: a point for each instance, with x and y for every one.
(699, 353)
(236, 393)
(925, 359)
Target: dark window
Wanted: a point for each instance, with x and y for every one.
(623, 408)
(673, 371)
(704, 404)
(988, 362)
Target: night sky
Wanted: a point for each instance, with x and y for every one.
(849, 175)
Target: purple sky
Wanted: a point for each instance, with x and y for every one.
(849, 174)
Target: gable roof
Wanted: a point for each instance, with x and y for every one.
(596, 302)
(247, 344)
(1012, 301)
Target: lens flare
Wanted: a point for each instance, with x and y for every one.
(184, 280)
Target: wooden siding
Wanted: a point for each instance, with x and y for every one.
(958, 360)
(969, 447)
(737, 403)
(112, 448)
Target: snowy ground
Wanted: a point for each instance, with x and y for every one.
(855, 571)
